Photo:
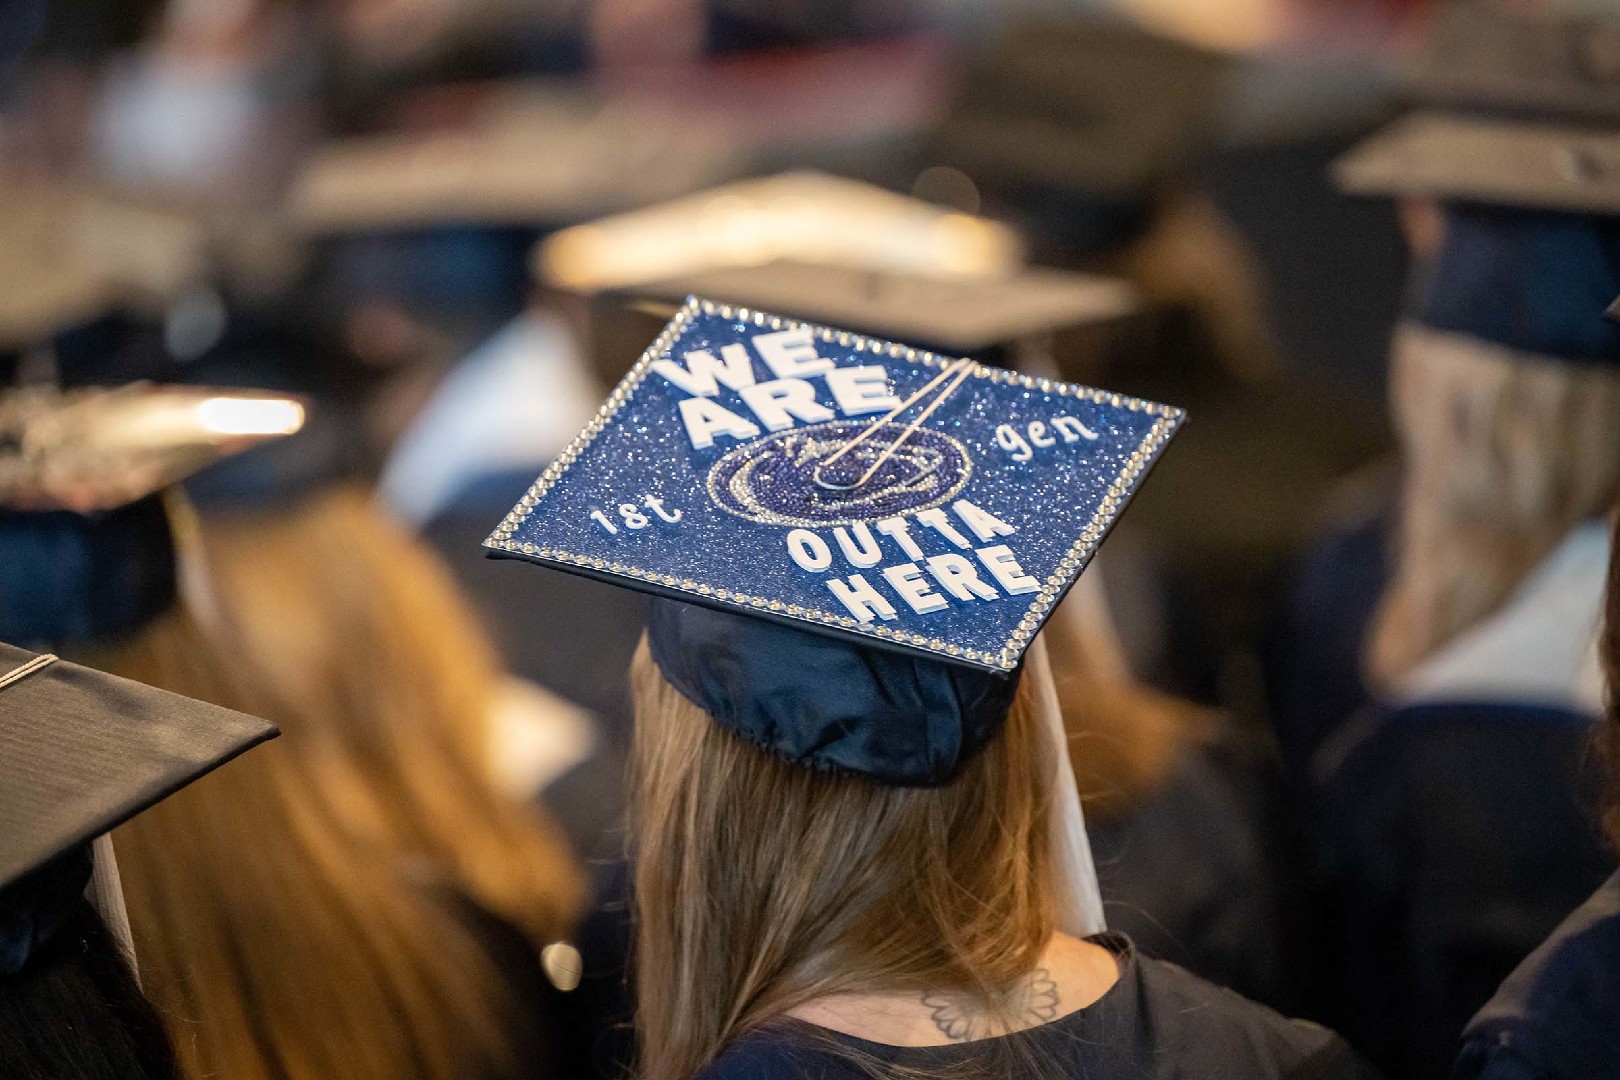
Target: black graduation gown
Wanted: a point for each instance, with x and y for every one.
(1157, 1023)
(1557, 1017)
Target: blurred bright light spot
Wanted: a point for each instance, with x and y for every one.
(250, 416)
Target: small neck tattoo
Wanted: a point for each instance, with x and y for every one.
(1033, 1001)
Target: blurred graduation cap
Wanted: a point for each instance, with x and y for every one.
(97, 449)
(1553, 59)
(1080, 123)
(86, 541)
(1514, 107)
(68, 256)
(803, 216)
(533, 155)
(836, 251)
(829, 482)
(82, 752)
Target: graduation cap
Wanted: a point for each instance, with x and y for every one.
(839, 252)
(68, 256)
(858, 539)
(1491, 57)
(97, 449)
(1512, 107)
(81, 752)
(86, 541)
(801, 217)
(1082, 122)
(533, 155)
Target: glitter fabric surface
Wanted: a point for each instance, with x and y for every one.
(757, 463)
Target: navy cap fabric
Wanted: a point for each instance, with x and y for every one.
(68, 577)
(925, 513)
(825, 702)
(34, 907)
(1533, 280)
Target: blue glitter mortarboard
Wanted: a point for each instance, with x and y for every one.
(761, 465)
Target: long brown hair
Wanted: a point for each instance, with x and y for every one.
(761, 885)
(1505, 453)
(304, 914)
(1125, 738)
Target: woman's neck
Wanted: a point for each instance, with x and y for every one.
(1070, 975)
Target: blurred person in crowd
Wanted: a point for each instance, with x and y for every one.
(1555, 1018)
(370, 903)
(85, 557)
(1447, 810)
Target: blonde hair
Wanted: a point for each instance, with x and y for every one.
(1504, 453)
(761, 884)
(304, 913)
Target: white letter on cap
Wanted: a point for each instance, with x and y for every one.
(1003, 566)
(702, 370)
(704, 419)
(778, 401)
(1072, 430)
(908, 582)
(861, 599)
(935, 519)
(809, 550)
(861, 390)
(896, 529)
(985, 525)
(867, 554)
(960, 577)
(791, 354)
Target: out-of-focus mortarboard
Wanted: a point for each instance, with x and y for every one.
(802, 216)
(1079, 123)
(86, 541)
(97, 449)
(1558, 60)
(858, 539)
(839, 252)
(69, 256)
(534, 155)
(82, 752)
(1512, 107)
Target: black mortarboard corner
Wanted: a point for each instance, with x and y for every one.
(81, 752)
(852, 542)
